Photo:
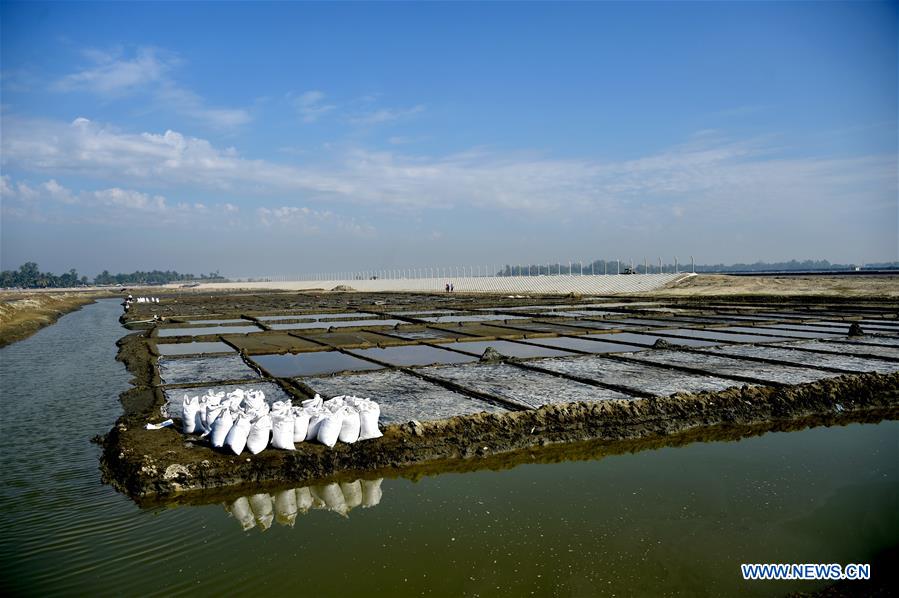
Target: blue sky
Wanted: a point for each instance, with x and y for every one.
(296, 137)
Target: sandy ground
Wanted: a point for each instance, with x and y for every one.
(706, 285)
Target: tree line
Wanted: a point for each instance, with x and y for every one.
(29, 276)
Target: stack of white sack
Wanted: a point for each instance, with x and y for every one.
(148, 299)
(242, 419)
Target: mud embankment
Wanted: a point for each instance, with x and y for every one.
(22, 313)
(157, 465)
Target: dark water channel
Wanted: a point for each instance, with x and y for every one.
(675, 521)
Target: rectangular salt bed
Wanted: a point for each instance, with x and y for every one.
(187, 370)
(334, 324)
(164, 332)
(580, 344)
(639, 376)
(193, 348)
(845, 362)
(521, 386)
(315, 363)
(507, 348)
(726, 366)
(414, 355)
(402, 397)
(850, 348)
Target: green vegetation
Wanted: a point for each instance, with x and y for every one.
(29, 276)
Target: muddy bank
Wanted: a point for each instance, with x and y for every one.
(158, 465)
(24, 313)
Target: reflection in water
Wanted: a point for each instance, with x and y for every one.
(284, 506)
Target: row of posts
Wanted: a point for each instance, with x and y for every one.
(506, 271)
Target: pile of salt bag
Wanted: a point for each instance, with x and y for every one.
(242, 419)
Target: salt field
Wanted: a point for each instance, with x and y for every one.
(418, 381)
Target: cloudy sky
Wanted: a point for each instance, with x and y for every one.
(287, 138)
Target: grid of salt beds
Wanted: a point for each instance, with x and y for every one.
(193, 348)
(845, 362)
(725, 366)
(402, 397)
(523, 386)
(175, 396)
(655, 380)
(187, 370)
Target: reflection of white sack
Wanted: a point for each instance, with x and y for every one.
(315, 420)
(304, 499)
(352, 493)
(220, 428)
(329, 429)
(312, 403)
(371, 492)
(368, 419)
(300, 425)
(349, 427)
(237, 437)
(282, 432)
(259, 433)
(333, 498)
(262, 509)
(241, 511)
(286, 507)
(189, 410)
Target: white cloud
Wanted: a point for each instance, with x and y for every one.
(311, 106)
(385, 115)
(706, 175)
(149, 72)
(114, 75)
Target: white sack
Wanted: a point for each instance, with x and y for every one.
(368, 420)
(189, 410)
(300, 425)
(221, 427)
(259, 433)
(329, 429)
(282, 431)
(237, 437)
(349, 427)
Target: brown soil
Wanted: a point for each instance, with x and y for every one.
(706, 285)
